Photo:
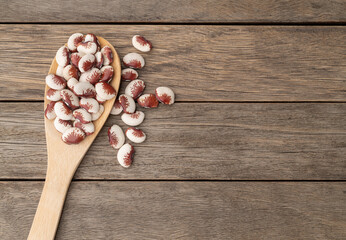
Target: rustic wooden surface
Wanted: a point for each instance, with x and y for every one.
(253, 149)
(181, 11)
(239, 141)
(184, 210)
(233, 63)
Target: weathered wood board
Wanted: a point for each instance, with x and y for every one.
(201, 63)
(248, 141)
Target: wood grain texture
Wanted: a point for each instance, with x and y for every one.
(183, 210)
(200, 63)
(215, 11)
(196, 141)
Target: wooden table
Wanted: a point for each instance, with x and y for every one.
(253, 148)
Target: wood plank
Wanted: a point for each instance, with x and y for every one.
(196, 141)
(183, 210)
(226, 11)
(201, 63)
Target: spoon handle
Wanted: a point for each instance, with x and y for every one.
(51, 203)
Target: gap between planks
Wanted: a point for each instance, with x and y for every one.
(189, 23)
(171, 180)
(186, 101)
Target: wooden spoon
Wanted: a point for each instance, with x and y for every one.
(63, 160)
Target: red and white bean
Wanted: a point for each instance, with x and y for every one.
(95, 116)
(69, 98)
(125, 155)
(129, 74)
(71, 83)
(62, 111)
(84, 89)
(75, 58)
(141, 43)
(73, 135)
(98, 59)
(53, 95)
(148, 101)
(62, 56)
(133, 60)
(116, 136)
(88, 128)
(117, 108)
(82, 115)
(62, 125)
(50, 112)
(55, 82)
(165, 95)
(92, 76)
(90, 37)
(133, 119)
(127, 102)
(135, 88)
(105, 90)
(87, 47)
(107, 55)
(135, 135)
(86, 62)
(106, 74)
(100, 100)
(70, 71)
(60, 71)
(73, 41)
(89, 104)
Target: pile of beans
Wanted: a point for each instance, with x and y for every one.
(126, 103)
(79, 87)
